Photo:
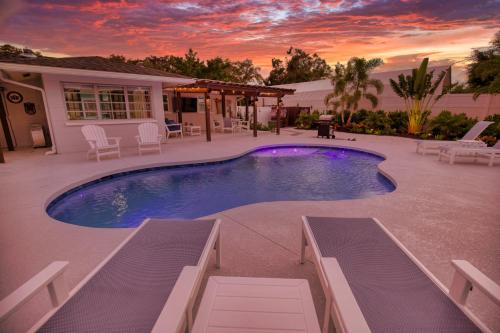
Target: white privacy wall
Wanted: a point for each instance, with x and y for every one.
(68, 134)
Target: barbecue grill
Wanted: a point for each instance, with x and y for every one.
(325, 126)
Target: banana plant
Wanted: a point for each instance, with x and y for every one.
(419, 93)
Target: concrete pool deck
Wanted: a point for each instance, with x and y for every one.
(438, 211)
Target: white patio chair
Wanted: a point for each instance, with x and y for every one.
(482, 152)
(469, 139)
(228, 125)
(217, 125)
(149, 138)
(173, 128)
(245, 125)
(99, 143)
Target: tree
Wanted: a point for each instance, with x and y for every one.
(418, 90)
(117, 58)
(359, 84)
(277, 74)
(190, 65)
(484, 70)
(11, 49)
(219, 69)
(246, 72)
(339, 97)
(298, 66)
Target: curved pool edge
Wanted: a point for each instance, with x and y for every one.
(73, 186)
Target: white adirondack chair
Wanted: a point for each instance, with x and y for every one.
(100, 144)
(149, 138)
(228, 125)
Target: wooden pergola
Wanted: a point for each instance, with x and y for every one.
(250, 92)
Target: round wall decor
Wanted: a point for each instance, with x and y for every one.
(14, 97)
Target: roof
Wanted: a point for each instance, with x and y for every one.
(86, 63)
(233, 88)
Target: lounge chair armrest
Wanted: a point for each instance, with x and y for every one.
(116, 139)
(173, 317)
(50, 277)
(466, 277)
(344, 306)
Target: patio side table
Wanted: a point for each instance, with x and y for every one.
(193, 130)
(235, 304)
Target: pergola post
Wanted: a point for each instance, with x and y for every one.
(178, 107)
(223, 96)
(207, 120)
(246, 108)
(278, 116)
(254, 100)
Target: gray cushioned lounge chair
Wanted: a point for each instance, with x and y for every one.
(373, 283)
(148, 284)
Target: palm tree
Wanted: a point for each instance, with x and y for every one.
(339, 97)
(418, 90)
(352, 84)
(358, 77)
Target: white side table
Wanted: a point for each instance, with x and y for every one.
(239, 304)
(193, 130)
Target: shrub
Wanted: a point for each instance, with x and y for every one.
(306, 120)
(399, 121)
(489, 140)
(378, 123)
(360, 115)
(493, 129)
(449, 126)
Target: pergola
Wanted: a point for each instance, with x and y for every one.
(250, 92)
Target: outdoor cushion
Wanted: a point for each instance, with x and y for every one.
(172, 125)
(393, 294)
(128, 294)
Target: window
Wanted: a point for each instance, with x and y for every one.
(107, 102)
(189, 104)
(165, 103)
(139, 102)
(80, 102)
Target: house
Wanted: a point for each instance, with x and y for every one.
(62, 94)
(44, 101)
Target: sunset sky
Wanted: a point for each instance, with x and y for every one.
(400, 32)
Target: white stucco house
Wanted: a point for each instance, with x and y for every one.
(62, 94)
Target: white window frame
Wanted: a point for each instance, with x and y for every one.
(99, 119)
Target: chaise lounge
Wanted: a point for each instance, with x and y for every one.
(374, 284)
(451, 153)
(148, 284)
(468, 140)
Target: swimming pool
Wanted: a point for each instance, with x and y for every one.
(191, 191)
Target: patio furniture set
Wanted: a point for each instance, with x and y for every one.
(232, 125)
(149, 138)
(371, 282)
(468, 146)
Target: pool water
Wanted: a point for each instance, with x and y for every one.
(270, 174)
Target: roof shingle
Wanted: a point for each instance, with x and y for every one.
(86, 63)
